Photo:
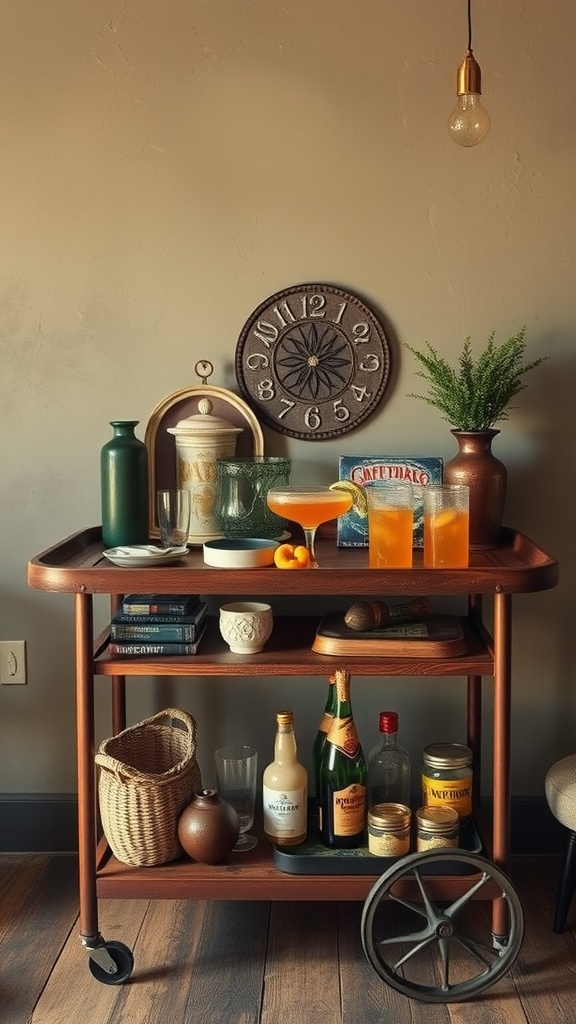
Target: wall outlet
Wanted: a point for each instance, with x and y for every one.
(13, 662)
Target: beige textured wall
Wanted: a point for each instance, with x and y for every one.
(165, 167)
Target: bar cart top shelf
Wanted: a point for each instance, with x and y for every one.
(78, 565)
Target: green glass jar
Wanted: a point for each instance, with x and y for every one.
(242, 485)
(124, 487)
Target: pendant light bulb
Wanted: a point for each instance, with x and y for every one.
(469, 122)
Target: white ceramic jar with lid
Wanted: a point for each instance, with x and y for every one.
(201, 439)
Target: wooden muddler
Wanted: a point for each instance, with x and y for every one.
(366, 615)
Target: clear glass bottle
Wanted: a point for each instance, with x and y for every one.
(388, 765)
(342, 776)
(285, 788)
(323, 729)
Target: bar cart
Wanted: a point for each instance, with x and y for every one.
(77, 566)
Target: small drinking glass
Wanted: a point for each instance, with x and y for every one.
(390, 524)
(236, 783)
(173, 509)
(446, 526)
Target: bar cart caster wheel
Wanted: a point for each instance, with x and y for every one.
(427, 930)
(111, 963)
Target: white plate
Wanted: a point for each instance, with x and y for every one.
(140, 555)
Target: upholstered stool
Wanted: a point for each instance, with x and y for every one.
(560, 786)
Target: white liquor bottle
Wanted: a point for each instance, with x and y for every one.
(285, 788)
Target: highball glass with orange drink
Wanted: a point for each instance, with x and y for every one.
(446, 526)
(390, 524)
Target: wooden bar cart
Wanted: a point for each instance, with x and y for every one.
(77, 566)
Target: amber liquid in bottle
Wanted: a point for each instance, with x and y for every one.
(342, 776)
(285, 788)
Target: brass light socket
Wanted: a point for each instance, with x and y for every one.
(469, 76)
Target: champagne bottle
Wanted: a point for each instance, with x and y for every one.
(323, 728)
(388, 765)
(285, 788)
(342, 776)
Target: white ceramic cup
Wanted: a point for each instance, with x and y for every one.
(246, 626)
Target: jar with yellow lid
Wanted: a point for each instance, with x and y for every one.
(447, 778)
(389, 830)
(436, 827)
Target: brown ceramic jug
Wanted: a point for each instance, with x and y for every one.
(208, 828)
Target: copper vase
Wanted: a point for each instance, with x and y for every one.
(486, 476)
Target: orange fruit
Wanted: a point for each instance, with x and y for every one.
(290, 556)
(444, 518)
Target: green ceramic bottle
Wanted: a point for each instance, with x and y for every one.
(124, 487)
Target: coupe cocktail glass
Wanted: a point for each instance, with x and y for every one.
(309, 506)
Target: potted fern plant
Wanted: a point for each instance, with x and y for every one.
(473, 397)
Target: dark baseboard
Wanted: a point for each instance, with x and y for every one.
(37, 822)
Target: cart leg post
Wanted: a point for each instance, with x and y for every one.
(86, 776)
(502, 730)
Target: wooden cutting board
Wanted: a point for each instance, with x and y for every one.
(438, 636)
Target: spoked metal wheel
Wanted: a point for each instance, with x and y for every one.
(427, 926)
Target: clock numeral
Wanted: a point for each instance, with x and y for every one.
(257, 361)
(267, 333)
(289, 405)
(361, 331)
(360, 393)
(340, 313)
(285, 317)
(370, 363)
(266, 390)
(315, 306)
(341, 413)
(312, 418)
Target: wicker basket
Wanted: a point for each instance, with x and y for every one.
(148, 774)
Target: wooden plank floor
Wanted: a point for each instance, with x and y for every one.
(249, 963)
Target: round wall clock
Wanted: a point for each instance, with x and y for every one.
(313, 361)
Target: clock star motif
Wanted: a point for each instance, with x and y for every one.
(313, 361)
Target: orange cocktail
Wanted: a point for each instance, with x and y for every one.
(390, 538)
(309, 509)
(390, 524)
(308, 506)
(446, 527)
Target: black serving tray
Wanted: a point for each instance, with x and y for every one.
(313, 858)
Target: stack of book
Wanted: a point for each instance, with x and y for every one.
(158, 625)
